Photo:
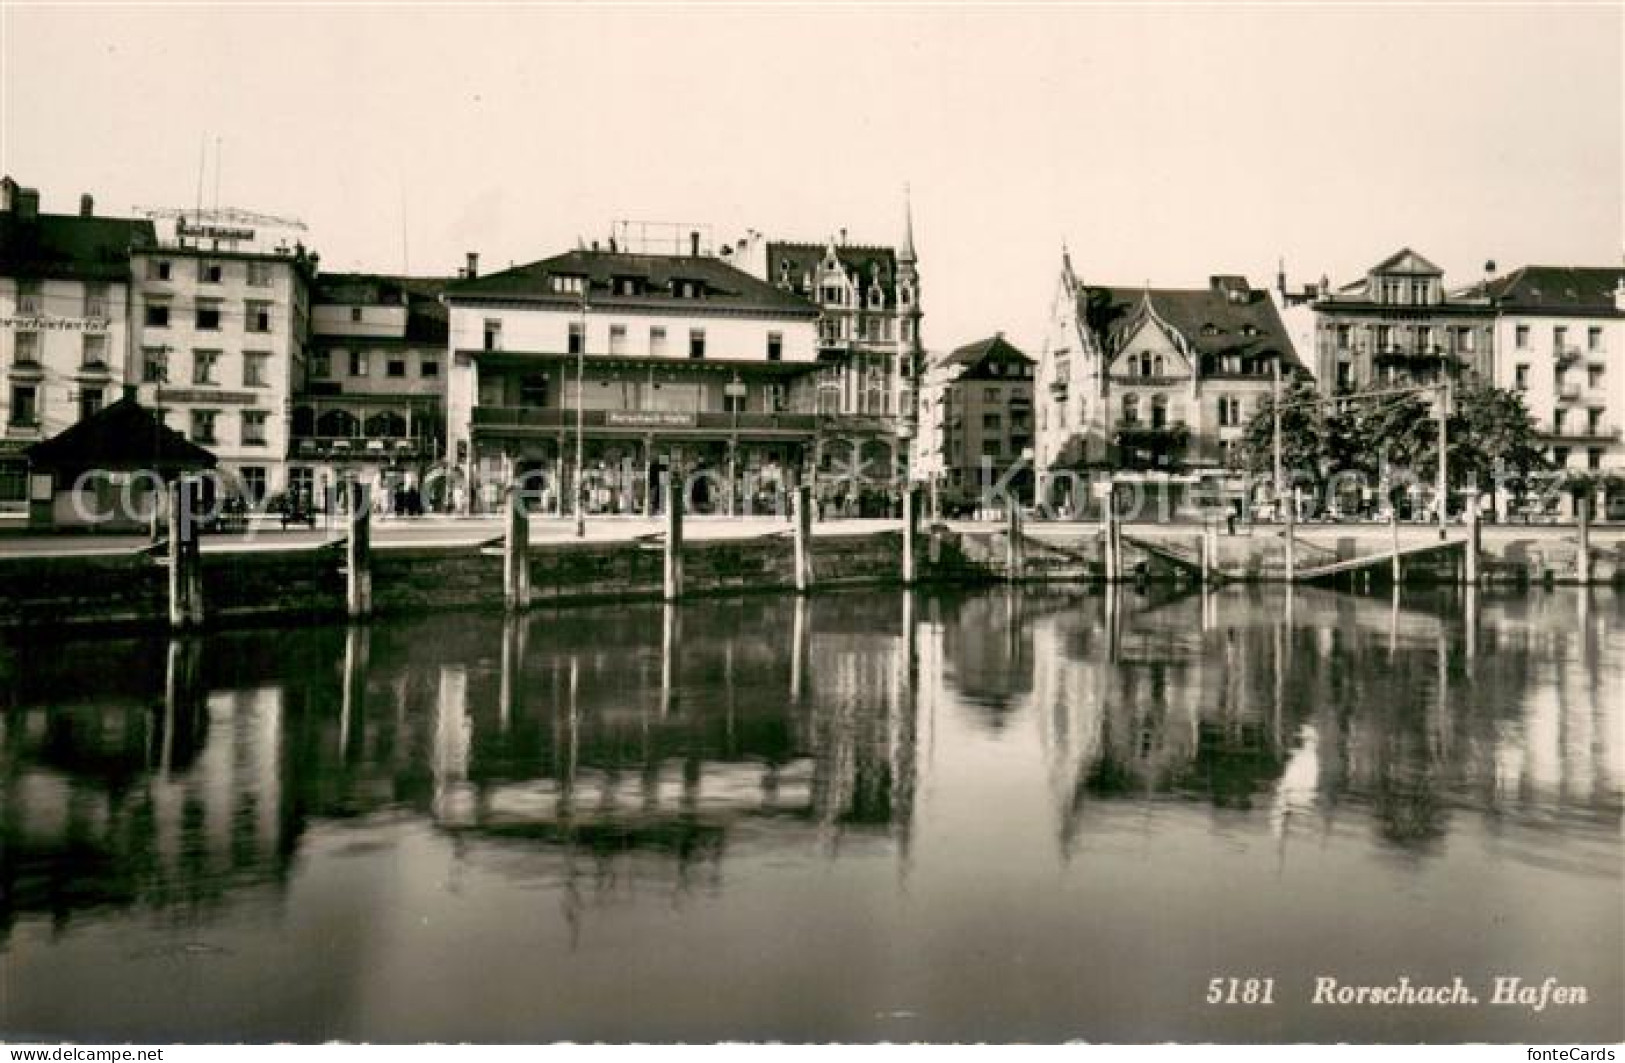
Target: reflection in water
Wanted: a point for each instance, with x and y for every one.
(599, 754)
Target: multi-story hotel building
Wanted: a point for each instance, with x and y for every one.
(643, 364)
(977, 403)
(1157, 382)
(64, 313)
(1398, 325)
(1559, 336)
(371, 404)
(220, 337)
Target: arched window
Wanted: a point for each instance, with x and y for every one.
(1131, 409)
(336, 423)
(1156, 366)
(386, 425)
(1159, 412)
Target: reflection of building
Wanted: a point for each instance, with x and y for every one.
(372, 404)
(64, 314)
(220, 339)
(1155, 379)
(977, 403)
(684, 363)
(1397, 324)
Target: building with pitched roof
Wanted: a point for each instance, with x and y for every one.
(1156, 383)
(1398, 325)
(371, 401)
(64, 313)
(1559, 339)
(648, 363)
(976, 404)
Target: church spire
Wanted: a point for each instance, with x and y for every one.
(905, 253)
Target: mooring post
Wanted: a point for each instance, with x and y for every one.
(1207, 552)
(358, 553)
(910, 529)
(516, 554)
(1475, 543)
(185, 560)
(1113, 542)
(802, 516)
(1292, 535)
(1393, 528)
(675, 501)
(1582, 571)
(1015, 554)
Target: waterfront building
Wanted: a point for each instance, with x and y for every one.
(371, 403)
(64, 312)
(637, 365)
(1153, 384)
(977, 403)
(1559, 334)
(221, 324)
(1398, 325)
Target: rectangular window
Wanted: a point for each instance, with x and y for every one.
(154, 365)
(209, 272)
(30, 297)
(397, 367)
(253, 483)
(1593, 422)
(259, 276)
(1560, 338)
(733, 403)
(358, 363)
(1593, 338)
(1520, 377)
(158, 269)
(1229, 411)
(1558, 417)
(577, 341)
(157, 315)
(1345, 374)
(992, 422)
(567, 285)
(1520, 337)
(1342, 337)
(204, 364)
(24, 405)
(657, 341)
(255, 365)
(775, 346)
(1424, 338)
(493, 334)
(1594, 376)
(253, 428)
(1466, 340)
(93, 355)
(96, 300)
(696, 343)
(258, 317)
(203, 426)
(617, 339)
(1593, 458)
(321, 366)
(208, 318)
(27, 348)
(1560, 457)
(429, 367)
(533, 389)
(90, 402)
(1385, 337)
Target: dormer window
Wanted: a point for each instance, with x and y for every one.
(628, 285)
(877, 298)
(686, 289)
(831, 294)
(1210, 329)
(568, 284)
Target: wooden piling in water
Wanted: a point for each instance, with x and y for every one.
(672, 588)
(1582, 571)
(185, 560)
(1475, 540)
(1113, 542)
(1398, 569)
(910, 531)
(801, 515)
(1015, 551)
(358, 554)
(516, 555)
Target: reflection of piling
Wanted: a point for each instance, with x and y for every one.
(669, 637)
(513, 663)
(185, 561)
(353, 706)
(1112, 537)
(910, 530)
(1208, 548)
(1475, 541)
(1393, 528)
(1582, 571)
(358, 554)
(801, 514)
(516, 555)
(1015, 548)
(673, 584)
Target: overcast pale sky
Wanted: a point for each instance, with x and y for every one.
(1161, 144)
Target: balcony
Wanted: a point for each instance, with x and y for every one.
(1148, 379)
(361, 448)
(1057, 389)
(1598, 435)
(1568, 392)
(552, 418)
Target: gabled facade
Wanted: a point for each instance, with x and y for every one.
(977, 403)
(1398, 325)
(1155, 380)
(677, 363)
(64, 322)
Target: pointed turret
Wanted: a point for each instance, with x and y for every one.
(905, 252)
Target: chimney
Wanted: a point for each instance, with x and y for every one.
(694, 243)
(595, 247)
(843, 237)
(27, 204)
(87, 205)
(473, 268)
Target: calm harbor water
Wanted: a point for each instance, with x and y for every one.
(1004, 815)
